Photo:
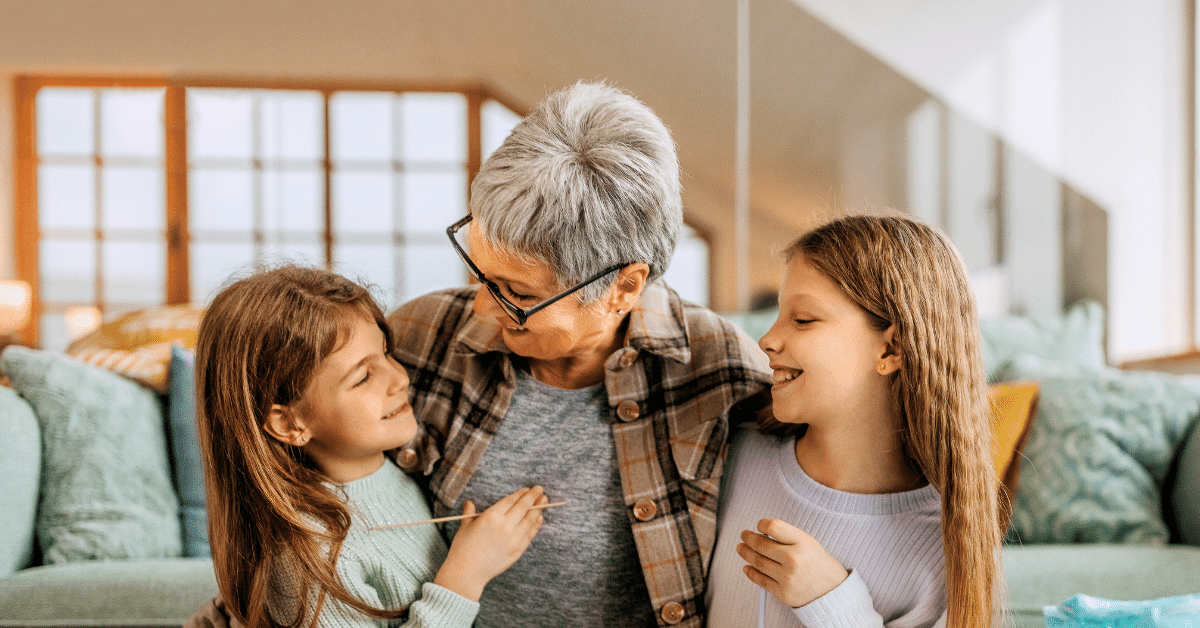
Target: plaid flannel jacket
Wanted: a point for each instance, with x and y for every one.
(682, 375)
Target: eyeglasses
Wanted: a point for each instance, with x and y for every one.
(518, 314)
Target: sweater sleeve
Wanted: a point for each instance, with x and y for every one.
(435, 606)
(848, 605)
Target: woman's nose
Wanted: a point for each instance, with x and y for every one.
(485, 304)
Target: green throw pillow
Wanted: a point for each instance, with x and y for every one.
(187, 465)
(1075, 337)
(106, 484)
(21, 467)
(1098, 453)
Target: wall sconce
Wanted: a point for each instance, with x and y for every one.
(81, 320)
(16, 298)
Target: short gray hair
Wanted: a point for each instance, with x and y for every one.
(586, 181)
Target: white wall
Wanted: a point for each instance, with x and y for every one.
(1091, 90)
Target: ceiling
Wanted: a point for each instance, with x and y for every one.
(815, 95)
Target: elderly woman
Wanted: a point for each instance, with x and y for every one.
(572, 366)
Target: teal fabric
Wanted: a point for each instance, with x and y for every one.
(186, 463)
(106, 485)
(20, 466)
(755, 323)
(158, 592)
(1098, 452)
(1040, 575)
(1185, 494)
(1085, 611)
(1075, 337)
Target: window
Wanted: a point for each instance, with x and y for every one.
(140, 192)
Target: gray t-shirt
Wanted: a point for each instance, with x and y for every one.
(582, 568)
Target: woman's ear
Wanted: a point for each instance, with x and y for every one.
(284, 425)
(631, 280)
(892, 359)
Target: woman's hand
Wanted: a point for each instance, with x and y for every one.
(788, 563)
(488, 544)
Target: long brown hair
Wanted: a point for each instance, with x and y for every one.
(260, 342)
(905, 273)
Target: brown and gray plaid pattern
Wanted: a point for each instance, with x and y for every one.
(690, 374)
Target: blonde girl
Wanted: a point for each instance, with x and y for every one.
(299, 400)
(874, 502)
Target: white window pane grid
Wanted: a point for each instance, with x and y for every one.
(66, 196)
(131, 123)
(372, 265)
(433, 127)
(292, 126)
(361, 126)
(280, 134)
(293, 200)
(133, 198)
(134, 273)
(688, 273)
(212, 263)
(429, 267)
(67, 271)
(220, 124)
(66, 121)
(496, 122)
(363, 201)
(433, 200)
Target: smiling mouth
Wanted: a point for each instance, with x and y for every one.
(395, 413)
(783, 376)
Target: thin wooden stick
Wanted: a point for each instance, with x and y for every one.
(457, 517)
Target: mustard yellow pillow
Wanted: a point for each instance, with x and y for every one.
(138, 344)
(1014, 405)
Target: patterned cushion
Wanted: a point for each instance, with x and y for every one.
(1097, 455)
(105, 485)
(138, 344)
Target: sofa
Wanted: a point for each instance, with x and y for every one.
(1105, 468)
(101, 509)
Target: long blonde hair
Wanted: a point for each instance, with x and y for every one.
(260, 342)
(905, 273)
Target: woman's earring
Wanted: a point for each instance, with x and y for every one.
(620, 312)
(881, 368)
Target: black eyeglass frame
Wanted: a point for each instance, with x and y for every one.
(518, 314)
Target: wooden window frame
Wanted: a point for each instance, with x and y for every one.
(27, 233)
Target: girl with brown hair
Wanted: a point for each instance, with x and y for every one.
(300, 399)
(874, 501)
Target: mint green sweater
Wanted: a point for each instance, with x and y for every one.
(392, 568)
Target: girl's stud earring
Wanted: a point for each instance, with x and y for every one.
(881, 368)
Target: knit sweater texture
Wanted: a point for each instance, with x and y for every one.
(391, 568)
(891, 543)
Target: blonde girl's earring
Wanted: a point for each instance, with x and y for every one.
(882, 368)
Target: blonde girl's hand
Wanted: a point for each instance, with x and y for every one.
(788, 563)
(488, 544)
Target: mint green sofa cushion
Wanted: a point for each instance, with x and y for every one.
(20, 466)
(106, 486)
(160, 592)
(1075, 337)
(1098, 454)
